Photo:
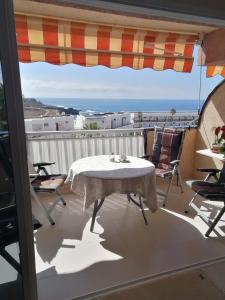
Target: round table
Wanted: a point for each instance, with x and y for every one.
(96, 177)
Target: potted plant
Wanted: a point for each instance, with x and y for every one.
(219, 143)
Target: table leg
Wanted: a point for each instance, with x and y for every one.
(142, 210)
(139, 204)
(97, 206)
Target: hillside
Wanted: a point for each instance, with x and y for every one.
(34, 109)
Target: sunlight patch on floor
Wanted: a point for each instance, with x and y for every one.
(77, 255)
(198, 222)
(122, 248)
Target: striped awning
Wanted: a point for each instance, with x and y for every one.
(215, 70)
(63, 42)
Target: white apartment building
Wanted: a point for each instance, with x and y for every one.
(109, 120)
(61, 123)
(150, 119)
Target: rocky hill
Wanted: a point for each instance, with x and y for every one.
(34, 108)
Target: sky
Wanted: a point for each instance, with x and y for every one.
(73, 81)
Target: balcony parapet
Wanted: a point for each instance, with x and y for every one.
(64, 147)
(82, 134)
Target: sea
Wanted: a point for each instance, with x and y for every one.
(120, 105)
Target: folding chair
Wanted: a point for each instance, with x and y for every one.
(167, 148)
(47, 183)
(8, 217)
(212, 191)
(9, 234)
(212, 173)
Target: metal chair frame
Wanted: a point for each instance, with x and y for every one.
(212, 173)
(34, 192)
(217, 196)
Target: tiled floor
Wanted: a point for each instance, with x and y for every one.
(194, 285)
(71, 261)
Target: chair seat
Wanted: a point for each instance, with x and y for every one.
(48, 182)
(205, 189)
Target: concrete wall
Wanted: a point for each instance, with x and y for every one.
(212, 116)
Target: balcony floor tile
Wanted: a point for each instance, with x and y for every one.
(71, 261)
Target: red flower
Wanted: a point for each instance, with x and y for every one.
(223, 128)
(217, 130)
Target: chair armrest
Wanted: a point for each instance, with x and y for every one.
(33, 177)
(208, 170)
(42, 164)
(174, 162)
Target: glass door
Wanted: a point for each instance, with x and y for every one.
(17, 264)
(10, 270)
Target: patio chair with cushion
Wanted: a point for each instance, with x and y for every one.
(167, 148)
(212, 191)
(212, 173)
(47, 183)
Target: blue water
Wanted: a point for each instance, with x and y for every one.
(116, 105)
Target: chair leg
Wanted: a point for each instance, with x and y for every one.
(139, 204)
(46, 213)
(97, 206)
(189, 204)
(168, 190)
(60, 197)
(180, 181)
(219, 216)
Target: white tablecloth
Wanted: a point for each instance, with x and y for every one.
(96, 177)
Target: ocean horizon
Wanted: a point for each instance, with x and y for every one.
(119, 105)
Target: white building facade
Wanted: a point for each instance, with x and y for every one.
(109, 121)
(61, 123)
(151, 119)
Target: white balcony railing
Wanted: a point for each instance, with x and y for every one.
(64, 147)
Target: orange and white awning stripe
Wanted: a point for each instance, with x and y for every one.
(215, 70)
(63, 42)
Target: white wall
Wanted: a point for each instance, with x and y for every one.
(110, 121)
(62, 123)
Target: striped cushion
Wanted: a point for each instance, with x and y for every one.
(48, 182)
(166, 148)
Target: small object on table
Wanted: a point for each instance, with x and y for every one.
(112, 157)
(123, 157)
